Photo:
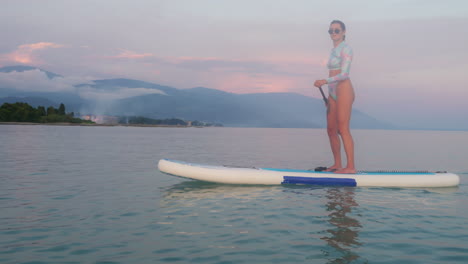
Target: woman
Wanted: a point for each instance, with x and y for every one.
(340, 98)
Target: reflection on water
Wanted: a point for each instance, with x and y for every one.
(344, 235)
(186, 187)
(197, 190)
(328, 213)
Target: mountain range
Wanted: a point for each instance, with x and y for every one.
(126, 97)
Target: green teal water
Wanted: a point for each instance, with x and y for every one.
(94, 195)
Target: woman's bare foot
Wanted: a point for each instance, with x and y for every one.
(346, 171)
(333, 168)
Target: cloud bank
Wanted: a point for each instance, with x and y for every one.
(37, 81)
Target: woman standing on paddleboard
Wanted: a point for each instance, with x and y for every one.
(340, 98)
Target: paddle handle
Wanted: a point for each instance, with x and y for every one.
(323, 95)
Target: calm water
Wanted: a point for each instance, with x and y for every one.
(94, 195)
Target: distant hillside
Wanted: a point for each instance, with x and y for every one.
(244, 110)
(32, 101)
(21, 68)
(202, 104)
(210, 105)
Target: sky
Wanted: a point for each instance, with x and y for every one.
(410, 56)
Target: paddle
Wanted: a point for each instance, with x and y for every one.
(326, 103)
(323, 95)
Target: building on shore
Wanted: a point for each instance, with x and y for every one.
(102, 119)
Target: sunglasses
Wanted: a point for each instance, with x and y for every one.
(337, 31)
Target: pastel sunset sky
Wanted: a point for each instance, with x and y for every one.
(410, 57)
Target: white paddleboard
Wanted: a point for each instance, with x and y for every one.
(271, 176)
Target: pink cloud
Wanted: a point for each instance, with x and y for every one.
(182, 59)
(25, 54)
(259, 83)
(128, 54)
(39, 45)
(245, 82)
(276, 73)
(270, 65)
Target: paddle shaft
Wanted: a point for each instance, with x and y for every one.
(323, 95)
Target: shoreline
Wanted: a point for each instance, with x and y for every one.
(179, 126)
(90, 125)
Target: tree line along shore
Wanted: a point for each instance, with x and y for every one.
(23, 113)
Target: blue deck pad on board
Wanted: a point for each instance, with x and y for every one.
(360, 172)
(319, 181)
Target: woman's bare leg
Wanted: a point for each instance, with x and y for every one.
(344, 105)
(332, 130)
